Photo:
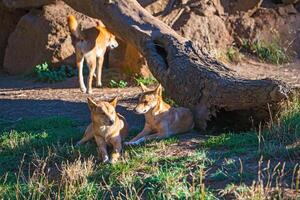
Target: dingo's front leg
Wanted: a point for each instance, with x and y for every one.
(102, 147)
(92, 65)
(117, 148)
(79, 62)
(88, 135)
(99, 71)
(146, 131)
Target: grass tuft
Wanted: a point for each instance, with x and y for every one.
(45, 73)
(145, 81)
(267, 51)
(233, 55)
(120, 84)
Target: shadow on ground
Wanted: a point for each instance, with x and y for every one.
(23, 108)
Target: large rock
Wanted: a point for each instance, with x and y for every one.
(26, 4)
(199, 21)
(280, 25)
(42, 36)
(290, 1)
(8, 22)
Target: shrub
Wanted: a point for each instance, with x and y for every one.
(115, 84)
(145, 81)
(233, 54)
(44, 73)
(269, 52)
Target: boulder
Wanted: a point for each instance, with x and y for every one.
(8, 22)
(234, 6)
(26, 4)
(199, 21)
(42, 36)
(210, 32)
(278, 25)
(290, 1)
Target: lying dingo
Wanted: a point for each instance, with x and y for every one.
(162, 120)
(90, 44)
(107, 127)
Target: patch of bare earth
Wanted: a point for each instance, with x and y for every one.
(253, 69)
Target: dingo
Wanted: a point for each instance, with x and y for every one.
(90, 44)
(107, 127)
(162, 120)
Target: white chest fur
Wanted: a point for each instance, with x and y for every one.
(100, 52)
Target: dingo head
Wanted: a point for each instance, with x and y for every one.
(103, 113)
(149, 99)
(112, 42)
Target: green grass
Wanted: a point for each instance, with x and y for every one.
(45, 73)
(233, 54)
(118, 84)
(280, 138)
(35, 152)
(267, 51)
(145, 81)
(38, 161)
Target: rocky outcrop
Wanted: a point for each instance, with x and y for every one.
(42, 36)
(280, 25)
(199, 21)
(8, 22)
(26, 4)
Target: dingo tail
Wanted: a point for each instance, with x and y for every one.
(74, 28)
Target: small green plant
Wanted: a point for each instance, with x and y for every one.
(170, 101)
(145, 81)
(45, 73)
(115, 84)
(267, 51)
(233, 54)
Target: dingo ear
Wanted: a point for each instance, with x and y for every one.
(158, 90)
(92, 104)
(144, 88)
(114, 102)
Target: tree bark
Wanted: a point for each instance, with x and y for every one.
(189, 75)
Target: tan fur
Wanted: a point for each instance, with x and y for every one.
(90, 44)
(108, 128)
(162, 120)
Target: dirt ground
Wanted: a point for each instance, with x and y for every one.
(253, 69)
(20, 97)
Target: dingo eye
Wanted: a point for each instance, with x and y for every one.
(100, 112)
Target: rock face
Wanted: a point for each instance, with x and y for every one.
(290, 1)
(199, 21)
(234, 6)
(42, 36)
(8, 22)
(280, 25)
(26, 4)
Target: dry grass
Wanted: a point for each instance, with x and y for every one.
(38, 161)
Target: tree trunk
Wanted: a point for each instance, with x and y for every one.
(189, 75)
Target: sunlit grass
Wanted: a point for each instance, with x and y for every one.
(38, 161)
